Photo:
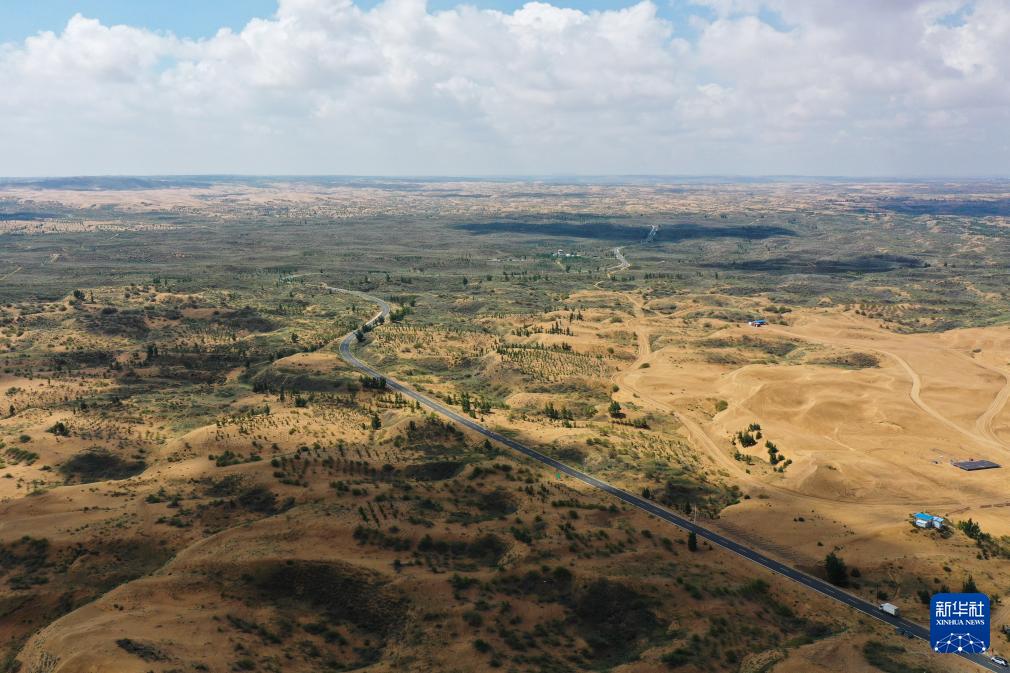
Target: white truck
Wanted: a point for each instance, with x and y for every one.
(889, 608)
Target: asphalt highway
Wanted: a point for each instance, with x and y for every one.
(820, 586)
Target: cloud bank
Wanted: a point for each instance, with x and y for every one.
(826, 87)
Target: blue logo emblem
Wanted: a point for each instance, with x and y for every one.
(959, 623)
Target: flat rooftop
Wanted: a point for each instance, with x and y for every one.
(972, 465)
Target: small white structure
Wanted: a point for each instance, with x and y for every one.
(889, 608)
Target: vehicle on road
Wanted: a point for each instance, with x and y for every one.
(890, 609)
(877, 611)
(999, 661)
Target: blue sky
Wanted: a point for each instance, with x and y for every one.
(190, 18)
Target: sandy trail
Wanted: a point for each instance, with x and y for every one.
(11, 274)
(915, 394)
(982, 431)
(983, 425)
(622, 264)
(642, 333)
(628, 380)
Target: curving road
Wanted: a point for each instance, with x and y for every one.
(808, 581)
(984, 423)
(982, 433)
(622, 264)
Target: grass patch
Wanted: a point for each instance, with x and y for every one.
(882, 656)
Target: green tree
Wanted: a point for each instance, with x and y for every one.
(969, 586)
(376, 422)
(971, 529)
(836, 570)
(692, 541)
(615, 409)
(60, 429)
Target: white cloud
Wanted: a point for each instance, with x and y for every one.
(825, 86)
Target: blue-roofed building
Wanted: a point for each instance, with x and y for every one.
(924, 520)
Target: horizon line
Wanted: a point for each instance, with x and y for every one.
(508, 176)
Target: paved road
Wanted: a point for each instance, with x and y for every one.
(810, 582)
(622, 264)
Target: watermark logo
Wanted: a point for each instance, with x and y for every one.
(959, 623)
